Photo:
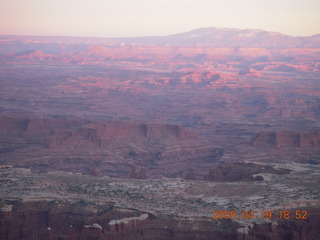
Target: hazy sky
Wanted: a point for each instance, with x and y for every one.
(112, 18)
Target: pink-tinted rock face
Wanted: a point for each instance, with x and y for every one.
(287, 139)
(105, 147)
(58, 132)
(98, 52)
(167, 52)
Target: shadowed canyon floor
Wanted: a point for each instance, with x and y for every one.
(143, 142)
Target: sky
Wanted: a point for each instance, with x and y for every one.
(130, 18)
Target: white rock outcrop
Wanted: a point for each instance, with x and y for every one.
(128, 220)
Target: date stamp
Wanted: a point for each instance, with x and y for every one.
(285, 214)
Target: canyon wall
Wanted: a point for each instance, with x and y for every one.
(285, 229)
(287, 139)
(52, 132)
(56, 220)
(73, 221)
(112, 148)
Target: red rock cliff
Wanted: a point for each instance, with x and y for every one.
(287, 139)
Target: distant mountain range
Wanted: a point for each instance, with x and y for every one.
(210, 37)
(226, 37)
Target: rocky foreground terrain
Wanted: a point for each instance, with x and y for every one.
(58, 205)
(145, 138)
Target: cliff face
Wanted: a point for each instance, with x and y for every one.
(12, 127)
(65, 221)
(287, 139)
(74, 221)
(110, 148)
(53, 132)
(57, 220)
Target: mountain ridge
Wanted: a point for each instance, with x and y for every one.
(210, 37)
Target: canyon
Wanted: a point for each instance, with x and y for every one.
(142, 138)
(61, 205)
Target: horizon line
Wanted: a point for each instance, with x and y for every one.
(145, 36)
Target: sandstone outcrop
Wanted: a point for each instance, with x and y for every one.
(53, 132)
(101, 148)
(287, 139)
